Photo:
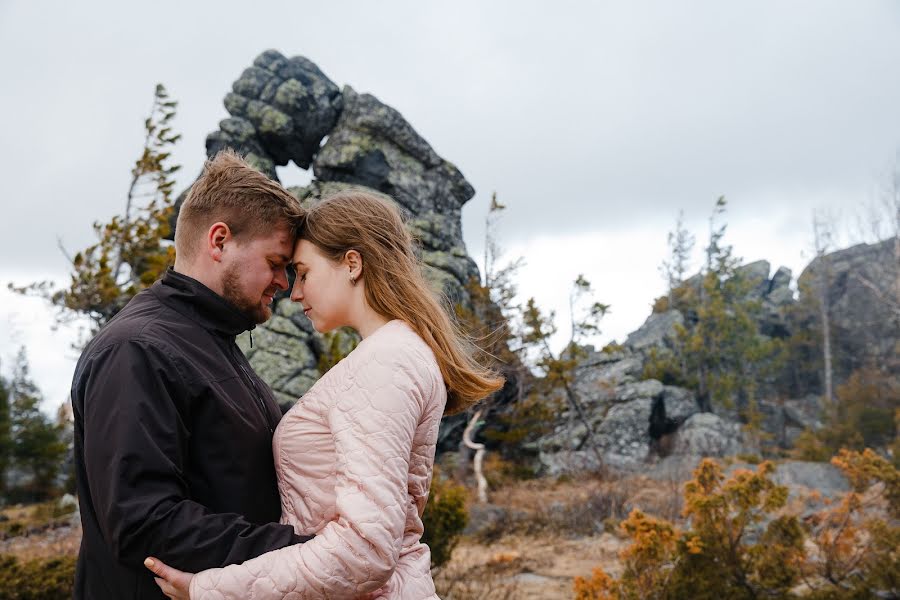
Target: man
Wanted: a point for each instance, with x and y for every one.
(173, 429)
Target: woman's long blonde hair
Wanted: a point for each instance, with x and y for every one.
(395, 286)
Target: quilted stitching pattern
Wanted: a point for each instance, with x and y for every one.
(354, 461)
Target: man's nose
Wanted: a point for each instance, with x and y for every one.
(281, 279)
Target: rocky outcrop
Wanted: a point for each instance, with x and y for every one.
(281, 110)
(643, 424)
(862, 287)
(639, 423)
(627, 414)
(285, 352)
(372, 145)
(658, 331)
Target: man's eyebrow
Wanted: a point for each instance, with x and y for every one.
(282, 258)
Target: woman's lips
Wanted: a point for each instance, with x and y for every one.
(306, 311)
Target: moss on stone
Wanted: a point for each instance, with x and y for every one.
(292, 95)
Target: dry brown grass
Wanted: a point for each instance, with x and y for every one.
(61, 541)
(38, 531)
(524, 567)
(553, 531)
(589, 506)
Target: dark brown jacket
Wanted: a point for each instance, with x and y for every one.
(173, 443)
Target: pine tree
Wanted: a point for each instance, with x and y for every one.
(132, 251)
(5, 436)
(37, 442)
(719, 351)
(488, 320)
(558, 369)
(675, 267)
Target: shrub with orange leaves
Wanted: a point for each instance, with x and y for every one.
(739, 545)
(596, 588)
(733, 548)
(857, 541)
(866, 469)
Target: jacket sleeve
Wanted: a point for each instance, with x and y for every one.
(135, 457)
(373, 424)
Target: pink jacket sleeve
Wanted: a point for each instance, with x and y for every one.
(373, 424)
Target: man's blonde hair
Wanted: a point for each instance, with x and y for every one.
(231, 191)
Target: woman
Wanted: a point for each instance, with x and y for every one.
(354, 456)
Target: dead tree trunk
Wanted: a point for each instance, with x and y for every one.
(478, 462)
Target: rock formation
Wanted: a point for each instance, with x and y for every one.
(281, 111)
(642, 424)
(862, 284)
(287, 110)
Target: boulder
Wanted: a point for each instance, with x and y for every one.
(656, 331)
(490, 521)
(824, 478)
(680, 403)
(284, 353)
(648, 388)
(756, 275)
(554, 464)
(707, 434)
(781, 280)
(599, 374)
(786, 420)
(624, 434)
(804, 413)
(281, 110)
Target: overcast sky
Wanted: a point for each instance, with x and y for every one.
(594, 122)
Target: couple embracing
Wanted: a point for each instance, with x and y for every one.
(184, 464)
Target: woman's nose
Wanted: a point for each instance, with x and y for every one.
(296, 291)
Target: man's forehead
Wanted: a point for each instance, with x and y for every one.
(279, 256)
(278, 239)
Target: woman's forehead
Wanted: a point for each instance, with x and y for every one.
(306, 252)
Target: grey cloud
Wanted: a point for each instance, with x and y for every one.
(589, 117)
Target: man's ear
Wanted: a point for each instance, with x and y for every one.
(354, 262)
(218, 234)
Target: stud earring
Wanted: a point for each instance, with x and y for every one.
(352, 280)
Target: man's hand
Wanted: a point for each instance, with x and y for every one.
(174, 583)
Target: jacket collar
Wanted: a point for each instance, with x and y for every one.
(200, 304)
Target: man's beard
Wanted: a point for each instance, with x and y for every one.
(253, 308)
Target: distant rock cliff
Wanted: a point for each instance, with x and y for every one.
(863, 296)
(641, 424)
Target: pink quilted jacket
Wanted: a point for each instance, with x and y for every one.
(354, 460)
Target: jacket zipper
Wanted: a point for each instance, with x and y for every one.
(253, 389)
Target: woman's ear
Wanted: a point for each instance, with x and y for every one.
(353, 260)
